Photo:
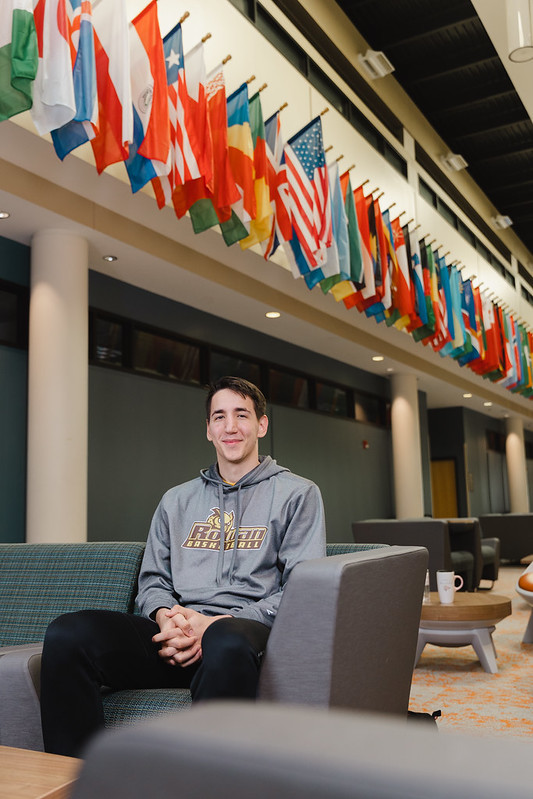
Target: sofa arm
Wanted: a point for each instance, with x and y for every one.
(20, 712)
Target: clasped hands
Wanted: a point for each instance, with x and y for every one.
(181, 632)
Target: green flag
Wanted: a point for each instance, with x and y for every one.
(18, 57)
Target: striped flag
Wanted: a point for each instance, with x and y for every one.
(54, 103)
(309, 192)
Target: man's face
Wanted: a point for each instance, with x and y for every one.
(234, 429)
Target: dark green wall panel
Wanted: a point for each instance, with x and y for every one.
(13, 383)
(355, 482)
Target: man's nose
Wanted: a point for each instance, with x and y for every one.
(231, 423)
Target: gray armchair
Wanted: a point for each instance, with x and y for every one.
(239, 750)
(434, 534)
(345, 635)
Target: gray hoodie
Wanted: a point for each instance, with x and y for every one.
(280, 519)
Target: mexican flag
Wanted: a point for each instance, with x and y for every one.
(18, 56)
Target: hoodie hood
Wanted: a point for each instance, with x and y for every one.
(266, 469)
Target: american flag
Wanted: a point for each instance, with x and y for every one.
(309, 192)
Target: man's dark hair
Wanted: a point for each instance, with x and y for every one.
(240, 386)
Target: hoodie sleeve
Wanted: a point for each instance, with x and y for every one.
(304, 539)
(155, 579)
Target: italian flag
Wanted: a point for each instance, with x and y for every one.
(18, 56)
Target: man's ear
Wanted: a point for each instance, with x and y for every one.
(263, 427)
(208, 434)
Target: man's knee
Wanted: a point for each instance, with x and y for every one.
(71, 632)
(226, 642)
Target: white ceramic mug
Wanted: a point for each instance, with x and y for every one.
(447, 586)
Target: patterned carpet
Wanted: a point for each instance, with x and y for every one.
(472, 701)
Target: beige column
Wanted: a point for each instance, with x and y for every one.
(515, 456)
(406, 456)
(56, 504)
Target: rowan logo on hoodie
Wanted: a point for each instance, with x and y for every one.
(206, 535)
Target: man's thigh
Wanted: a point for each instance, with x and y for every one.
(120, 648)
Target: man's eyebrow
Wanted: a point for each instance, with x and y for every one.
(237, 410)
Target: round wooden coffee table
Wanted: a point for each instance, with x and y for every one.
(469, 620)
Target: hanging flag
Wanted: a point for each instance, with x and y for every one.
(212, 207)
(185, 156)
(337, 266)
(470, 322)
(196, 116)
(261, 226)
(368, 290)
(374, 306)
(148, 152)
(83, 127)
(115, 112)
(417, 280)
(278, 186)
(18, 56)
(354, 237)
(241, 154)
(402, 307)
(427, 331)
(308, 189)
(54, 103)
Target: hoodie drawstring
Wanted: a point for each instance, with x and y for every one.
(220, 561)
(235, 540)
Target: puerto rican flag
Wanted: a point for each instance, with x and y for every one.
(183, 157)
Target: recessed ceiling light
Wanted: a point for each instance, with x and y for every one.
(390, 369)
(4, 214)
(272, 314)
(378, 358)
(109, 257)
(487, 404)
(467, 395)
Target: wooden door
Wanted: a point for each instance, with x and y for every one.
(444, 489)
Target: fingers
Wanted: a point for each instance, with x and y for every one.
(176, 630)
(188, 657)
(181, 658)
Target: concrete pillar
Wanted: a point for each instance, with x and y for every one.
(56, 504)
(515, 456)
(406, 455)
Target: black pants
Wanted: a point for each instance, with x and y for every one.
(93, 648)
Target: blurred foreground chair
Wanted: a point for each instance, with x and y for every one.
(238, 750)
